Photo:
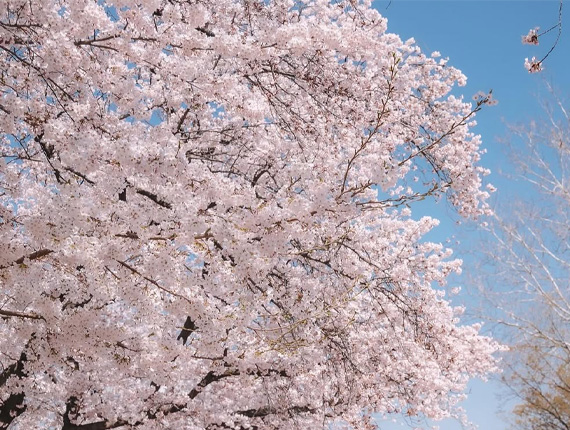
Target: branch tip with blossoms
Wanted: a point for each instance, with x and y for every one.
(482, 98)
(533, 65)
(531, 38)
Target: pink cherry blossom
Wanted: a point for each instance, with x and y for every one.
(533, 65)
(531, 38)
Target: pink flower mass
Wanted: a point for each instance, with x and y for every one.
(205, 217)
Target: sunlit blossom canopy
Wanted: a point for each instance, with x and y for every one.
(205, 217)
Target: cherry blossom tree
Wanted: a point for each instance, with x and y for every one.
(205, 217)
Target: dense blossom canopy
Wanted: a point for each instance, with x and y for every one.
(205, 216)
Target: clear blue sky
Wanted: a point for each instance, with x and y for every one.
(483, 39)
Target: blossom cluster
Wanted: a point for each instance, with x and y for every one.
(531, 38)
(533, 65)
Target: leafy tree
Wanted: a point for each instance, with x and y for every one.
(205, 217)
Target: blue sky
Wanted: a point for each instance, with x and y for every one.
(483, 39)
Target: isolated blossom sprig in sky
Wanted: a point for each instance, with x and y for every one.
(531, 38)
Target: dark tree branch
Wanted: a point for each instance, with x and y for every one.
(6, 313)
(210, 378)
(11, 409)
(154, 198)
(268, 410)
(33, 256)
(13, 406)
(187, 330)
(206, 31)
(81, 175)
